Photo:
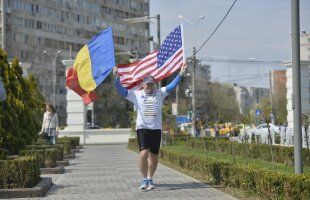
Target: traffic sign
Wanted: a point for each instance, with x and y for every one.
(258, 112)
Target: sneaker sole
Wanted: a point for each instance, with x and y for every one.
(150, 188)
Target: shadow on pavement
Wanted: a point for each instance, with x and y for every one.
(55, 188)
(192, 185)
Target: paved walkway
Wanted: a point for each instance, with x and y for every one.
(111, 172)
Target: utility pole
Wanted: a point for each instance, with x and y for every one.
(296, 97)
(54, 64)
(193, 86)
(271, 94)
(3, 26)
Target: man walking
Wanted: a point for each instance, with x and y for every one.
(148, 103)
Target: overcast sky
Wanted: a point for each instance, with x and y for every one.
(256, 29)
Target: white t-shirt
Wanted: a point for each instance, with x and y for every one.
(149, 107)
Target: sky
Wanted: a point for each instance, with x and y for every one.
(253, 30)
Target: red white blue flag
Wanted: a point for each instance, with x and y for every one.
(159, 63)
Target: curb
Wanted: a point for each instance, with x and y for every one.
(37, 191)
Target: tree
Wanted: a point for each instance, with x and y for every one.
(305, 122)
(21, 112)
(111, 109)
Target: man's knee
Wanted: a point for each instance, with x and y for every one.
(153, 156)
(144, 152)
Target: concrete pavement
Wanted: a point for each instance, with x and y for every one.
(111, 172)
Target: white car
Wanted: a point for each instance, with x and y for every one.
(262, 128)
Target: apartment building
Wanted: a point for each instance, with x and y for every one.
(42, 33)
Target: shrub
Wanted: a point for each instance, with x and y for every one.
(60, 148)
(47, 157)
(69, 143)
(257, 151)
(23, 172)
(265, 183)
(39, 153)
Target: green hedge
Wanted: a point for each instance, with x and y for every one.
(47, 157)
(69, 143)
(60, 148)
(264, 183)
(183, 138)
(257, 151)
(23, 172)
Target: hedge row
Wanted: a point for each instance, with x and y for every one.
(181, 137)
(69, 143)
(46, 157)
(60, 148)
(282, 154)
(22, 172)
(264, 183)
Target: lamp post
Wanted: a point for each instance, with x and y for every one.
(296, 95)
(194, 64)
(189, 94)
(193, 23)
(54, 73)
(193, 73)
(194, 86)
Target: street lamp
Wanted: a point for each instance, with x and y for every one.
(189, 21)
(147, 19)
(134, 54)
(193, 23)
(194, 63)
(54, 71)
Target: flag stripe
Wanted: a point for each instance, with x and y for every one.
(82, 65)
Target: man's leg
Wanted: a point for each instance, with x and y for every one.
(153, 157)
(143, 163)
(152, 164)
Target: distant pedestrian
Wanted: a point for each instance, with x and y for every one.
(2, 91)
(50, 125)
(148, 102)
(197, 125)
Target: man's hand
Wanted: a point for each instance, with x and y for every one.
(115, 72)
(183, 69)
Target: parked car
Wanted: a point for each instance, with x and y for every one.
(263, 128)
(186, 128)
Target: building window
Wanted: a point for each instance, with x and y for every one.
(39, 25)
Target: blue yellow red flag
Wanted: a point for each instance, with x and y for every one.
(92, 65)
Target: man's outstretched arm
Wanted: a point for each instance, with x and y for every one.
(170, 87)
(123, 91)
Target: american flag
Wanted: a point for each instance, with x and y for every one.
(159, 63)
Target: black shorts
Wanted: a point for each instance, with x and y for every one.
(149, 139)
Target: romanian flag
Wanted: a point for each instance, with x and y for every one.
(92, 65)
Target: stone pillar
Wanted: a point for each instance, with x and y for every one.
(76, 111)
